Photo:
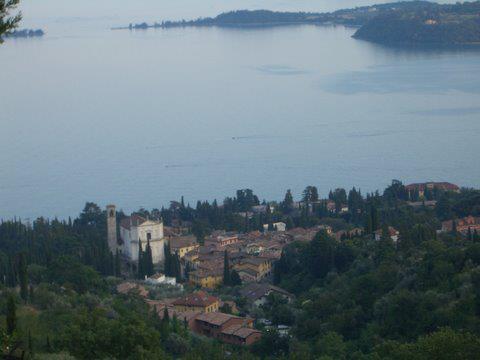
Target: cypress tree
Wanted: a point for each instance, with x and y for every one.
(226, 270)
(167, 268)
(177, 271)
(118, 264)
(30, 344)
(454, 227)
(140, 269)
(11, 315)
(11, 276)
(23, 277)
(49, 346)
(235, 278)
(166, 317)
(31, 294)
(148, 260)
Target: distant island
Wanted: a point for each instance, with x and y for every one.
(25, 33)
(400, 23)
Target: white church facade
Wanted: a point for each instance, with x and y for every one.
(133, 230)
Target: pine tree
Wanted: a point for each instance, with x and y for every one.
(148, 260)
(11, 315)
(8, 23)
(140, 269)
(23, 277)
(226, 270)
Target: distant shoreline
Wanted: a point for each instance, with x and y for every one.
(25, 33)
(408, 23)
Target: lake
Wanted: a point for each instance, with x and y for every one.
(141, 118)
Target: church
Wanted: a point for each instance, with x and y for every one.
(133, 230)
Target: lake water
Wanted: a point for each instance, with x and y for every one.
(141, 118)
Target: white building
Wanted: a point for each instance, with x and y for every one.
(136, 228)
(278, 226)
(160, 279)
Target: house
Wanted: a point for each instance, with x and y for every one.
(262, 209)
(301, 234)
(420, 188)
(392, 232)
(254, 268)
(462, 225)
(278, 226)
(228, 328)
(257, 294)
(221, 240)
(182, 245)
(240, 335)
(136, 230)
(206, 278)
(160, 279)
(197, 301)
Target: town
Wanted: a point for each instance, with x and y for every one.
(230, 258)
(247, 277)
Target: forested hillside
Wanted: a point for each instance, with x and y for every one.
(358, 296)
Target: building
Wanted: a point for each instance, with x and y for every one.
(462, 225)
(197, 301)
(278, 226)
(254, 268)
(420, 188)
(240, 335)
(161, 279)
(182, 245)
(256, 294)
(221, 240)
(135, 229)
(228, 328)
(209, 279)
(392, 232)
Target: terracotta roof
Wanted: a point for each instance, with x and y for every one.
(182, 241)
(255, 260)
(442, 185)
(216, 318)
(256, 291)
(199, 298)
(240, 331)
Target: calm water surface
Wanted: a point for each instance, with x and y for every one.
(141, 118)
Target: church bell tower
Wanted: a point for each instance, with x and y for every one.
(112, 228)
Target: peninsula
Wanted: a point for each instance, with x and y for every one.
(400, 23)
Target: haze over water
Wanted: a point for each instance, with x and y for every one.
(140, 118)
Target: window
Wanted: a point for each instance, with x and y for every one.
(149, 236)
